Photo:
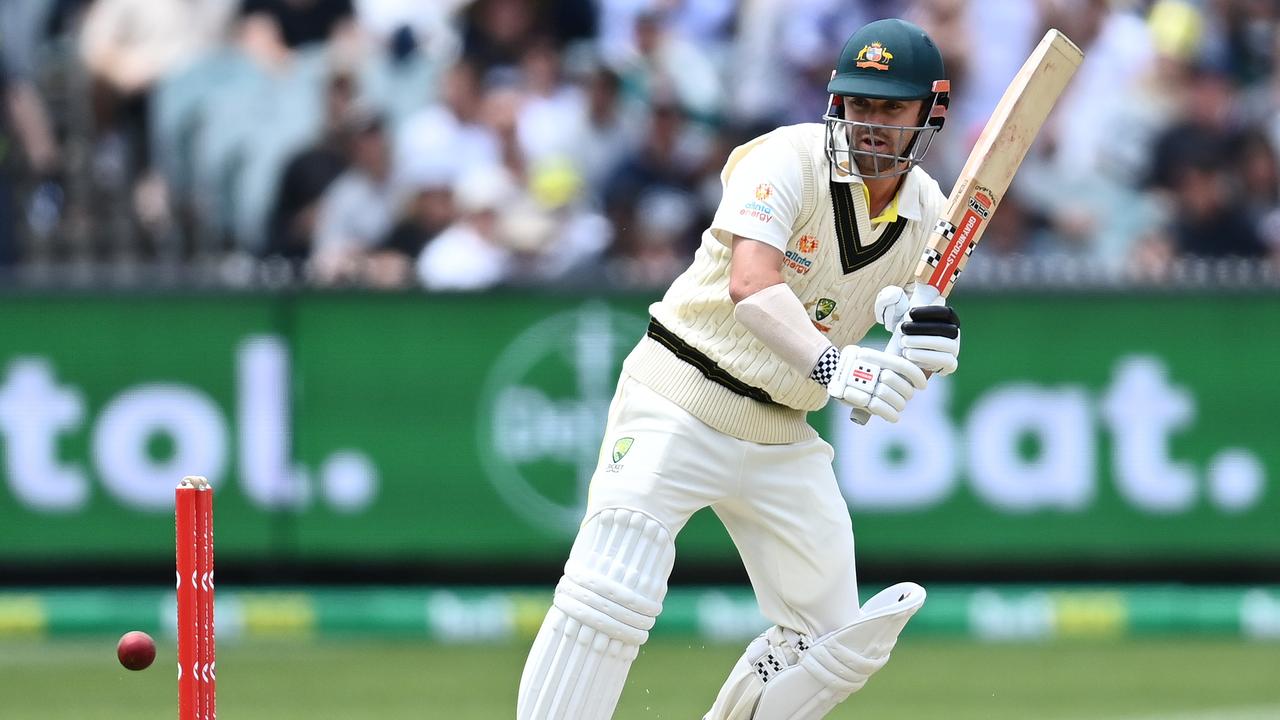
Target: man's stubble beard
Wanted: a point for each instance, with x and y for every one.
(873, 164)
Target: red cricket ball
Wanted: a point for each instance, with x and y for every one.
(136, 650)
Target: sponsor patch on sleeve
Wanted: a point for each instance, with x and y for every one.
(757, 210)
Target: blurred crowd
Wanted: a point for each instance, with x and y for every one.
(467, 144)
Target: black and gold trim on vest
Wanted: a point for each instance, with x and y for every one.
(705, 365)
(853, 256)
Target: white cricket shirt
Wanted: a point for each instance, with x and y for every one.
(777, 190)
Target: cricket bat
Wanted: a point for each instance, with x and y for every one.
(988, 171)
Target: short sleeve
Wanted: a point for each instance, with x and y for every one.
(762, 197)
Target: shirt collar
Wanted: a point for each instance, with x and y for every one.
(890, 212)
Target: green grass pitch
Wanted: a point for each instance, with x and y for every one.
(928, 678)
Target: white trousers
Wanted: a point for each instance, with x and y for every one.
(780, 503)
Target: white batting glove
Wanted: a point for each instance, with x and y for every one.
(891, 306)
(931, 339)
(875, 380)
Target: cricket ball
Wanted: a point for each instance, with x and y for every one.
(136, 650)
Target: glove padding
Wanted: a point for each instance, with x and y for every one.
(875, 380)
(931, 339)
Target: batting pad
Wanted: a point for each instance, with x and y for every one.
(606, 602)
(786, 676)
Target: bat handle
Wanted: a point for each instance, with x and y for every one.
(922, 295)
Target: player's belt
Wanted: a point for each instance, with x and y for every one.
(705, 365)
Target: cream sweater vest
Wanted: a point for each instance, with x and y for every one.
(836, 281)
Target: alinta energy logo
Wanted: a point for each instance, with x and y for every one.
(543, 409)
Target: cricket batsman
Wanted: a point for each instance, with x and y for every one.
(815, 241)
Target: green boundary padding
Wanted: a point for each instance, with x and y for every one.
(478, 615)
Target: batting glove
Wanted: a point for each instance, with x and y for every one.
(891, 306)
(931, 339)
(875, 380)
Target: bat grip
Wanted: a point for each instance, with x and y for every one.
(922, 295)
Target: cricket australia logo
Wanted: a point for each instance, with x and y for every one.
(543, 407)
(875, 56)
(820, 310)
(620, 450)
